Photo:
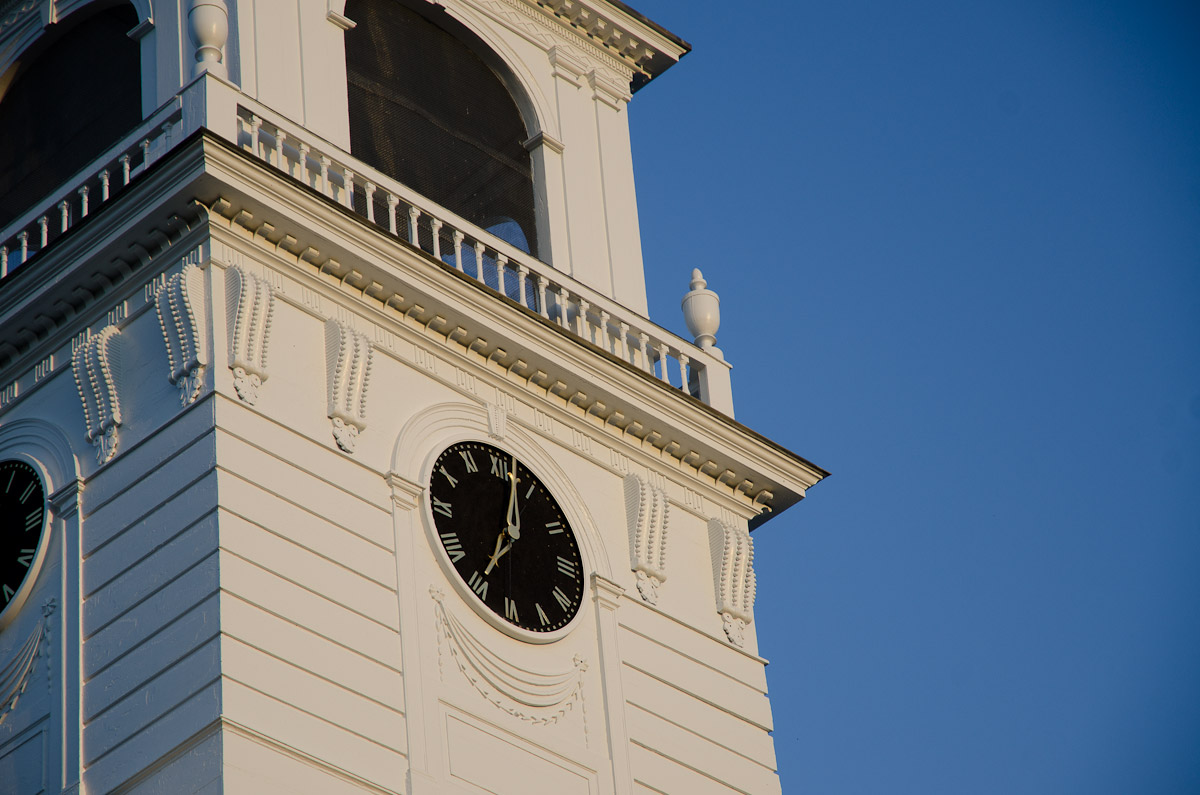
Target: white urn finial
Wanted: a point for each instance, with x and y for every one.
(209, 28)
(702, 313)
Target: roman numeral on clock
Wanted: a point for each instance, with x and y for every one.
(441, 507)
(26, 557)
(510, 610)
(478, 585)
(499, 467)
(566, 567)
(28, 490)
(545, 619)
(554, 528)
(561, 598)
(34, 519)
(469, 461)
(453, 481)
(8, 594)
(453, 546)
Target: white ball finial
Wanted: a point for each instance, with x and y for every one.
(702, 313)
(209, 28)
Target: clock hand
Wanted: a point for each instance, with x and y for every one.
(497, 554)
(514, 516)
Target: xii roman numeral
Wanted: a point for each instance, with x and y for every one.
(500, 467)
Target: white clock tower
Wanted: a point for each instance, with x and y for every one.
(338, 453)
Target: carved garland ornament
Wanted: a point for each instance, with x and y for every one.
(250, 304)
(733, 575)
(94, 365)
(646, 510)
(180, 304)
(348, 364)
(530, 696)
(15, 675)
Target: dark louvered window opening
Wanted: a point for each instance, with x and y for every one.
(64, 103)
(428, 111)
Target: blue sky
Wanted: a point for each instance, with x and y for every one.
(958, 250)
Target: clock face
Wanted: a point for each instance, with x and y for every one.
(506, 536)
(22, 528)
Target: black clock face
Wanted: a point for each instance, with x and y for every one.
(22, 520)
(506, 536)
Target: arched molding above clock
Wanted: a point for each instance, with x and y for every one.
(46, 447)
(434, 429)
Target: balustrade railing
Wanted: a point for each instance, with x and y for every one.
(89, 189)
(475, 252)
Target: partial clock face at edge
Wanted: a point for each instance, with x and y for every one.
(506, 536)
(22, 526)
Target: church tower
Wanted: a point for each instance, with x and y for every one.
(337, 450)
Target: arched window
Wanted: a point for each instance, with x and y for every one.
(64, 102)
(428, 111)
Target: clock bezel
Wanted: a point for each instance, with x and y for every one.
(10, 611)
(452, 574)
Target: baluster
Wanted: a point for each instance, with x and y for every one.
(436, 227)
(255, 126)
(478, 260)
(392, 201)
(605, 341)
(348, 183)
(458, 240)
(24, 238)
(501, 266)
(280, 137)
(413, 215)
(541, 296)
(562, 307)
(104, 185)
(3, 261)
(304, 150)
(64, 210)
(683, 363)
(325, 175)
(125, 169)
(44, 223)
(522, 275)
(166, 128)
(584, 325)
(644, 340)
(145, 154)
(83, 201)
(369, 189)
(662, 362)
(625, 343)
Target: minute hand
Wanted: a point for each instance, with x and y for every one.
(514, 517)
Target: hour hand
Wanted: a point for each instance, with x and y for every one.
(501, 548)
